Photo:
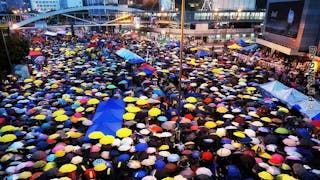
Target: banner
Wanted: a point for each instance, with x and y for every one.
(283, 18)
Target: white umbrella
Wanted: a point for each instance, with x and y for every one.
(204, 171)
(223, 152)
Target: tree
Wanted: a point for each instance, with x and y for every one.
(18, 48)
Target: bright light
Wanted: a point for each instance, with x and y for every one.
(239, 10)
(216, 9)
(14, 26)
(162, 9)
(137, 26)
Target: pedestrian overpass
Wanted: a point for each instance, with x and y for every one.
(70, 13)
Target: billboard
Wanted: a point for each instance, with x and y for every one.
(283, 18)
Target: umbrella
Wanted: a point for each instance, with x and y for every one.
(141, 147)
(204, 171)
(265, 175)
(168, 125)
(210, 124)
(61, 118)
(222, 109)
(139, 174)
(7, 128)
(223, 152)
(133, 164)
(66, 168)
(111, 86)
(133, 109)
(129, 99)
(106, 140)
(124, 132)
(100, 167)
(40, 117)
(142, 102)
(154, 112)
(162, 118)
(129, 116)
(124, 157)
(93, 101)
(191, 99)
(8, 138)
(58, 113)
(281, 130)
(96, 135)
(173, 158)
(159, 164)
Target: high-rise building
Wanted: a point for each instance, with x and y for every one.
(16, 4)
(99, 12)
(167, 5)
(45, 5)
(3, 5)
(70, 3)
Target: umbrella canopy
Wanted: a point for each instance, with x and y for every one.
(124, 132)
(66, 168)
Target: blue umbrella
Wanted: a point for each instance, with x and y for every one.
(173, 158)
(141, 147)
(123, 82)
(139, 174)
(196, 154)
(98, 161)
(159, 164)
(158, 92)
(123, 157)
(162, 118)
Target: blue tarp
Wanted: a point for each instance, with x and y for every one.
(202, 53)
(250, 48)
(293, 99)
(108, 117)
(130, 56)
(241, 42)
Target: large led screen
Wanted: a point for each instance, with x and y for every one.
(284, 18)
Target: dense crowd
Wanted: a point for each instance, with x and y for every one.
(224, 127)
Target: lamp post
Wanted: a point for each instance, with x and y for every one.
(180, 63)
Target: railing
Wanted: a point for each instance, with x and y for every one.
(206, 32)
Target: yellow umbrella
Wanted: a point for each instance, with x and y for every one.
(189, 106)
(38, 82)
(285, 177)
(222, 109)
(216, 71)
(90, 109)
(6, 157)
(53, 136)
(133, 109)
(129, 116)
(129, 99)
(96, 135)
(49, 166)
(124, 132)
(191, 99)
(106, 140)
(163, 147)
(25, 175)
(93, 101)
(40, 117)
(27, 80)
(154, 112)
(7, 128)
(239, 134)
(210, 124)
(142, 74)
(266, 119)
(73, 134)
(282, 109)
(142, 102)
(265, 175)
(61, 118)
(80, 109)
(251, 88)
(58, 113)
(8, 138)
(100, 167)
(165, 71)
(234, 46)
(66, 168)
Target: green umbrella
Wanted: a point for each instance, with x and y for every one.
(281, 130)
(111, 86)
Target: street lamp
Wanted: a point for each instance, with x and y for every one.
(180, 64)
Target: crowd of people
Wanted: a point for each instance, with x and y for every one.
(223, 127)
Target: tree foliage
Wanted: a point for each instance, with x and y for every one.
(18, 48)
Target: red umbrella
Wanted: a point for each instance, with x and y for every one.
(155, 128)
(35, 53)
(38, 39)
